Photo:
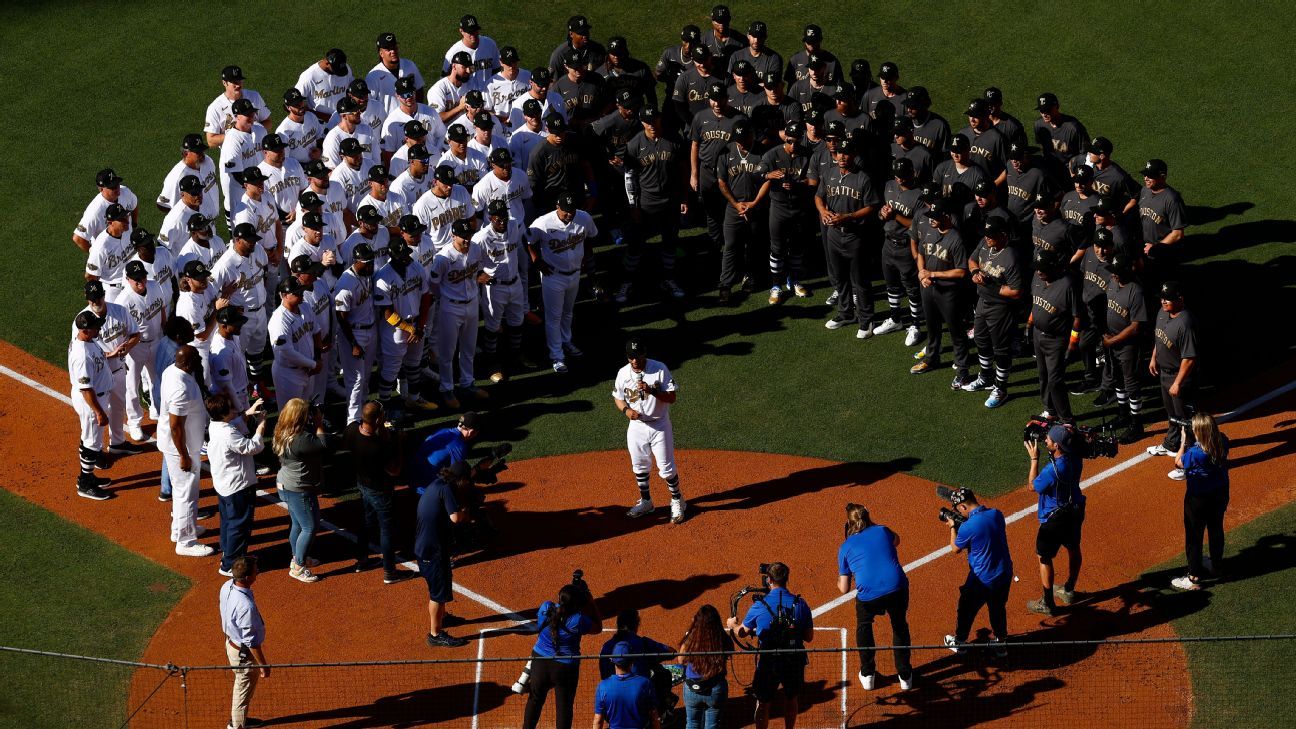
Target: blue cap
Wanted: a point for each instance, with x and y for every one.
(1061, 435)
(619, 651)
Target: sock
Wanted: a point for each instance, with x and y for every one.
(515, 339)
(88, 457)
(489, 341)
(641, 480)
(1048, 596)
(672, 484)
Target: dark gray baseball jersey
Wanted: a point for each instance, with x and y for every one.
(1125, 305)
(919, 156)
(1022, 188)
(746, 101)
(1176, 340)
(671, 64)
(957, 184)
(553, 169)
(1010, 127)
(876, 95)
(725, 47)
(1055, 235)
(847, 191)
(797, 68)
(742, 171)
(1096, 276)
(989, 149)
(942, 252)
(933, 132)
(1002, 268)
(632, 75)
(904, 202)
(804, 90)
(712, 134)
(659, 164)
(860, 119)
(768, 62)
(597, 57)
(613, 131)
(1116, 182)
(769, 119)
(1161, 212)
(795, 167)
(585, 100)
(1054, 305)
(690, 93)
(1064, 141)
(1076, 209)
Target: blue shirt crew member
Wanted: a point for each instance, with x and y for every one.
(244, 635)
(985, 538)
(881, 587)
(1206, 470)
(437, 510)
(1061, 513)
(778, 620)
(625, 700)
(561, 626)
(441, 449)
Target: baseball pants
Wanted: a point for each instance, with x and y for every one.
(1095, 323)
(828, 269)
(457, 329)
(559, 294)
(92, 434)
(184, 495)
(204, 354)
(787, 229)
(290, 382)
(1179, 408)
(355, 370)
(713, 208)
(654, 219)
(401, 359)
(992, 329)
(1120, 375)
(117, 406)
(846, 258)
(745, 240)
(504, 303)
(139, 365)
(649, 441)
(900, 271)
(941, 307)
(1050, 364)
(254, 338)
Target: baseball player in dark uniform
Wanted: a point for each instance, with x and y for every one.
(930, 129)
(1061, 136)
(689, 95)
(1111, 179)
(656, 164)
(1093, 269)
(845, 199)
(1049, 231)
(904, 146)
(816, 88)
(1125, 317)
(798, 66)
(745, 94)
(676, 59)
(1078, 203)
(1055, 323)
(625, 72)
(762, 58)
(900, 253)
(986, 204)
(556, 165)
(773, 116)
(710, 134)
(958, 175)
(1001, 282)
(989, 147)
(889, 90)
(1161, 210)
(1024, 179)
(740, 176)
(786, 166)
(943, 274)
(722, 41)
(578, 38)
(609, 135)
(583, 91)
(1174, 361)
(1008, 125)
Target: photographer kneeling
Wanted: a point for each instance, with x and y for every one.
(1061, 514)
(984, 534)
(881, 587)
(554, 666)
(779, 620)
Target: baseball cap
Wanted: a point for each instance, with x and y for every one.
(290, 286)
(136, 271)
(716, 90)
(410, 224)
(196, 269)
(758, 29)
(419, 153)
(379, 173)
(231, 73)
(509, 55)
(88, 319)
(930, 192)
(1120, 263)
(252, 176)
(627, 99)
(579, 25)
(889, 71)
(191, 184)
(567, 202)
(555, 123)
(983, 188)
(1019, 150)
(939, 208)
(351, 147)
(960, 144)
(406, 86)
(531, 107)
(108, 177)
(902, 127)
(978, 109)
(246, 231)
(358, 88)
(1082, 175)
(414, 129)
(309, 199)
(1103, 238)
(635, 348)
(815, 60)
(902, 168)
(917, 98)
(273, 143)
(575, 58)
(317, 169)
(501, 156)
(1155, 168)
(368, 214)
(743, 67)
(860, 68)
(193, 143)
(337, 61)
(116, 211)
(197, 222)
(497, 208)
(742, 126)
(243, 107)
(468, 420)
(398, 251)
(648, 113)
(844, 95)
(1106, 206)
(444, 174)
(231, 316)
(483, 120)
(995, 227)
(794, 129)
(1046, 100)
(620, 651)
(457, 133)
(469, 24)
(94, 290)
(1171, 291)
(313, 220)
(541, 76)
(1043, 200)
(362, 252)
(814, 118)
(462, 58)
(720, 14)
(304, 264)
(141, 237)
(618, 46)
(1061, 435)
(348, 105)
(835, 128)
(386, 41)
(475, 99)
(461, 228)
(459, 469)
(690, 34)
(812, 33)
(1101, 145)
(294, 98)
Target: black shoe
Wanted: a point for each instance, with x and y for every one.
(445, 640)
(1132, 434)
(1105, 398)
(1121, 420)
(206, 512)
(363, 564)
(725, 296)
(1085, 386)
(392, 578)
(92, 491)
(126, 448)
(103, 461)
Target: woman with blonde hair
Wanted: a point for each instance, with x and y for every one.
(1206, 496)
(706, 685)
(868, 557)
(301, 444)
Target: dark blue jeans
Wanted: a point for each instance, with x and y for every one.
(303, 509)
(236, 512)
(377, 522)
(164, 482)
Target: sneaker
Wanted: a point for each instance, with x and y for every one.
(559, 366)
(1063, 595)
(865, 333)
(224, 572)
(997, 398)
(1159, 450)
(906, 683)
(391, 578)
(776, 295)
(364, 564)
(1105, 398)
(449, 400)
(672, 288)
(888, 326)
(623, 293)
(475, 393)
(445, 640)
(747, 285)
(92, 491)
(960, 382)
(1185, 583)
(572, 352)
(164, 498)
(832, 299)
(1039, 606)
(126, 448)
(643, 506)
(1176, 474)
(194, 549)
(800, 291)
(954, 645)
(913, 335)
(261, 470)
(868, 682)
(1084, 387)
(1001, 648)
(677, 511)
(920, 354)
(135, 433)
(302, 574)
(921, 367)
(838, 321)
(976, 385)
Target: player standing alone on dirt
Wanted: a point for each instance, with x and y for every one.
(643, 392)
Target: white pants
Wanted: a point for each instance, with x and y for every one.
(504, 304)
(559, 294)
(204, 353)
(254, 334)
(648, 441)
(290, 382)
(456, 328)
(140, 370)
(92, 433)
(184, 496)
(319, 383)
(355, 370)
(117, 405)
(397, 356)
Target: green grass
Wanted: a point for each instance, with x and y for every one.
(69, 590)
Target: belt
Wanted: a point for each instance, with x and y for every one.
(234, 645)
(460, 301)
(567, 273)
(253, 308)
(509, 282)
(114, 285)
(361, 327)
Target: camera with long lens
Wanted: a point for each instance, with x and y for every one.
(523, 682)
(1086, 442)
(948, 514)
(488, 469)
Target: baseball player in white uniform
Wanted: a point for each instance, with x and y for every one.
(483, 53)
(193, 161)
(332, 197)
(147, 305)
(118, 335)
(384, 78)
(446, 202)
(242, 143)
(353, 302)
(505, 182)
(350, 126)
(371, 231)
(389, 204)
(197, 305)
(456, 277)
(539, 92)
(285, 178)
(353, 173)
(447, 95)
(315, 243)
(300, 129)
(220, 112)
(294, 338)
(317, 296)
(510, 82)
(644, 391)
(407, 109)
(94, 219)
(239, 276)
(91, 384)
(403, 303)
(180, 438)
(229, 366)
(371, 110)
(110, 251)
(502, 242)
(557, 248)
(175, 224)
(158, 263)
(258, 210)
(202, 244)
(410, 184)
(324, 83)
(469, 165)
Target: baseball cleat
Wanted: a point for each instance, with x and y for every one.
(643, 506)
(997, 398)
(1105, 398)
(920, 368)
(1159, 450)
(776, 295)
(571, 351)
(865, 333)
(832, 299)
(1084, 387)
(1063, 595)
(449, 400)
(838, 321)
(677, 511)
(913, 335)
(1039, 606)
(977, 385)
(959, 382)
(92, 491)
(1184, 583)
(672, 288)
(623, 293)
(559, 366)
(888, 326)
(724, 296)
(419, 403)
(747, 285)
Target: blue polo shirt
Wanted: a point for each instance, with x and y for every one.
(638, 644)
(432, 521)
(1058, 482)
(871, 557)
(985, 536)
(761, 614)
(1202, 476)
(569, 634)
(438, 451)
(625, 702)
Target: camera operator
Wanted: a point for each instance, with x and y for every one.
(881, 587)
(554, 666)
(778, 620)
(441, 449)
(627, 623)
(438, 510)
(1061, 514)
(984, 535)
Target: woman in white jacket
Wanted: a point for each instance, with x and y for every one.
(229, 452)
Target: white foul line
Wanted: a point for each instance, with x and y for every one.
(1092, 480)
(33, 384)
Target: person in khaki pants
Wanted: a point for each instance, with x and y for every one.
(244, 633)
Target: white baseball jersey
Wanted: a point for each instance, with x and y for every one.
(391, 208)
(316, 251)
(197, 309)
(410, 188)
(108, 257)
(239, 151)
(369, 144)
(92, 221)
(229, 369)
(301, 137)
(193, 250)
(354, 295)
(382, 82)
(334, 197)
(182, 396)
(399, 161)
(322, 89)
(292, 336)
(284, 183)
(469, 168)
(319, 299)
(485, 59)
(162, 269)
(220, 113)
(495, 142)
(445, 95)
(424, 253)
(552, 101)
(437, 213)
(118, 326)
(513, 191)
(295, 237)
(401, 293)
(521, 143)
(354, 181)
(263, 216)
(501, 92)
(454, 274)
(562, 245)
(206, 174)
(372, 115)
(146, 309)
(393, 127)
(245, 274)
(88, 368)
(502, 250)
(649, 407)
(175, 226)
(380, 241)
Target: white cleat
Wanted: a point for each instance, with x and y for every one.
(642, 507)
(677, 511)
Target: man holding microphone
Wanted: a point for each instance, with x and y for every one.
(1061, 514)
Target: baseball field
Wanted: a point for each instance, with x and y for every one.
(780, 422)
